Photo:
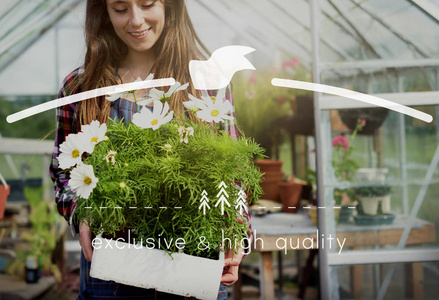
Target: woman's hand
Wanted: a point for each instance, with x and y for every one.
(231, 265)
(85, 240)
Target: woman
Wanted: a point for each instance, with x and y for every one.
(126, 39)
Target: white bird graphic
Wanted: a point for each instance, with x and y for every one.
(216, 72)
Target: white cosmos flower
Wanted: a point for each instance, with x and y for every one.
(94, 133)
(83, 180)
(185, 133)
(114, 97)
(111, 156)
(71, 150)
(194, 104)
(215, 111)
(160, 115)
(161, 96)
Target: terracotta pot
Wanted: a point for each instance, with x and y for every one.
(272, 176)
(3, 198)
(269, 165)
(270, 185)
(290, 193)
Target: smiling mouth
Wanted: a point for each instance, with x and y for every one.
(140, 33)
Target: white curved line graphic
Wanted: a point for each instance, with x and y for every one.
(87, 95)
(322, 88)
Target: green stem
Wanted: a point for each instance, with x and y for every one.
(354, 133)
(135, 101)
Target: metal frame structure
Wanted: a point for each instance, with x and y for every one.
(324, 170)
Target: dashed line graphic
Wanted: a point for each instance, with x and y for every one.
(260, 207)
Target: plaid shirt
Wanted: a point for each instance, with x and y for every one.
(66, 118)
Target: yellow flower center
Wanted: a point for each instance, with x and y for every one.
(87, 180)
(214, 113)
(75, 153)
(94, 139)
(154, 122)
(122, 185)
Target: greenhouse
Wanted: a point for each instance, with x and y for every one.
(350, 177)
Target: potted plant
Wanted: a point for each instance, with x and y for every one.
(157, 206)
(36, 259)
(374, 117)
(370, 196)
(272, 176)
(259, 104)
(344, 170)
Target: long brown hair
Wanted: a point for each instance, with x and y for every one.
(177, 45)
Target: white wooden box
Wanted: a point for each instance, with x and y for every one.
(182, 274)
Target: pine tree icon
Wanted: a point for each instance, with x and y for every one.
(240, 202)
(204, 201)
(222, 195)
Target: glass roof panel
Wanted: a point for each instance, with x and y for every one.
(351, 30)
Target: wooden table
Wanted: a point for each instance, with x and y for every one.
(268, 229)
(13, 288)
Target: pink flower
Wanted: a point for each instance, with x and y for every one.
(291, 63)
(362, 122)
(340, 141)
(252, 79)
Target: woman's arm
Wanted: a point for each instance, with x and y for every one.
(64, 196)
(233, 257)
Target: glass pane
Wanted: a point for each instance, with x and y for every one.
(382, 170)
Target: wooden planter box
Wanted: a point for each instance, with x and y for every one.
(182, 274)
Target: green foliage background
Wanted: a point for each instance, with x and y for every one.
(37, 126)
